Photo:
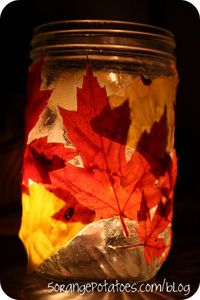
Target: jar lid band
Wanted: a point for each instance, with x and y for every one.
(88, 37)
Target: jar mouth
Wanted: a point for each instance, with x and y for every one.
(97, 37)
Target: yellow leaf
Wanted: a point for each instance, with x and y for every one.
(147, 104)
(40, 233)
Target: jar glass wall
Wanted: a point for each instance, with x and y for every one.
(99, 163)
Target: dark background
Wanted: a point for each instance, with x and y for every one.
(16, 26)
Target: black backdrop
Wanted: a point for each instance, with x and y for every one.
(16, 26)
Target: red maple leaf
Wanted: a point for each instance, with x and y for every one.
(149, 229)
(153, 146)
(106, 183)
(41, 157)
(73, 211)
(37, 98)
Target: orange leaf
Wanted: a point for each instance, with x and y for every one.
(37, 98)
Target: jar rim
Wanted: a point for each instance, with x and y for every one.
(97, 34)
(44, 26)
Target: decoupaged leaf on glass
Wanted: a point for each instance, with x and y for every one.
(37, 98)
(94, 177)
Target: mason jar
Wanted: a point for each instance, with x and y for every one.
(99, 164)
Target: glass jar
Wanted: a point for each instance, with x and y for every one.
(99, 164)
